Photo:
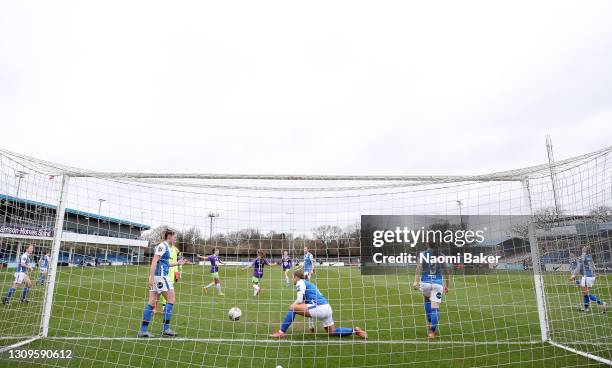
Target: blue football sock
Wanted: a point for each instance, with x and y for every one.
(289, 317)
(428, 310)
(594, 298)
(10, 293)
(24, 293)
(434, 319)
(146, 317)
(586, 301)
(343, 331)
(167, 315)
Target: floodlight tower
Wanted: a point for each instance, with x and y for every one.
(292, 230)
(100, 201)
(212, 216)
(459, 204)
(19, 175)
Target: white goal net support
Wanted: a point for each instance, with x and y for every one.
(100, 231)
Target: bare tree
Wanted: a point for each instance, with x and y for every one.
(327, 234)
(546, 217)
(601, 214)
(190, 241)
(153, 236)
(350, 242)
(520, 231)
(543, 218)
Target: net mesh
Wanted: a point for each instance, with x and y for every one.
(491, 316)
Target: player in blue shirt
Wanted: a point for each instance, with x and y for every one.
(258, 265)
(309, 264)
(312, 304)
(160, 283)
(433, 280)
(21, 276)
(586, 267)
(45, 261)
(286, 263)
(214, 270)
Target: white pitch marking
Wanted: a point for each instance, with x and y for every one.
(287, 341)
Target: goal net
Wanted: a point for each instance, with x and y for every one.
(510, 301)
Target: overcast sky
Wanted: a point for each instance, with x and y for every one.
(294, 87)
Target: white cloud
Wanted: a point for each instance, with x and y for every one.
(343, 87)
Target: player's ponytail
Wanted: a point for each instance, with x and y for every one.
(165, 233)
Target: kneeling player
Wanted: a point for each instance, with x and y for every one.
(160, 283)
(21, 276)
(586, 267)
(311, 303)
(430, 275)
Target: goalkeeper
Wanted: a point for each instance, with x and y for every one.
(174, 273)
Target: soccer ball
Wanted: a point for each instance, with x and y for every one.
(234, 313)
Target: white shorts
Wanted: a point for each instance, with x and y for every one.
(587, 281)
(306, 275)
(19, 277)
(323, 313)
(432, 291)
(43, 270)
(161, 284)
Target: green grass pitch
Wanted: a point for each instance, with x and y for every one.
(486, 321)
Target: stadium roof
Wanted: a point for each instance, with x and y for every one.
(74, 212)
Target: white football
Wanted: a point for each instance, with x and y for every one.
(234, 313)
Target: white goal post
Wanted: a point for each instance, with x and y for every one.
(55, 248)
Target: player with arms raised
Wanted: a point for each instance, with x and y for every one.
(586, 267)
(311, 303)
(21, 276)
(214, 270)
(430, 278)
(159, 283)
